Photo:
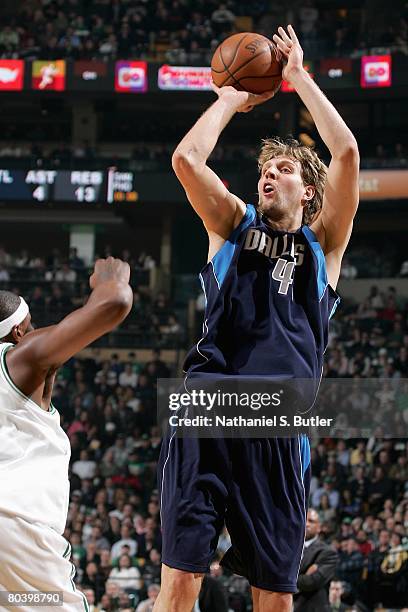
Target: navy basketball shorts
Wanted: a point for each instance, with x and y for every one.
(258, 487)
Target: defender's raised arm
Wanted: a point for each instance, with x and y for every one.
(45, 349)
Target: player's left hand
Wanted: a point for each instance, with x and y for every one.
(243, 100)
(291, 51)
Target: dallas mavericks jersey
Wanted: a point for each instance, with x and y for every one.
(34, 457)
(268, 305)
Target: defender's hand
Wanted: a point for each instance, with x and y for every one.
(243, 101)
(109, 269)
(291, 51)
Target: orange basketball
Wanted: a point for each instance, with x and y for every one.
(247, 61)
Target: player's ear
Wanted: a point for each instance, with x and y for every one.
(18, 332)
(308, 194)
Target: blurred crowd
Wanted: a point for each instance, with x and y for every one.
(187, 31)
(56, 283)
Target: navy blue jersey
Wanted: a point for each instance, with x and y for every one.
(268, 305)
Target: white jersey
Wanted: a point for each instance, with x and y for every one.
(34, 457)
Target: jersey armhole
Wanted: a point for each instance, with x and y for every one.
(13, 386)
(223, 258)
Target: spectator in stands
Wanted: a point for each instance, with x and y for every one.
(222, 19)
(125, 540)
(308, 16)
(5, 258)
(128, 378)
(351, 563)
(348, 270)
(4, 275)
(212, 596)
(147, 604)
(75, 262)
(9, 39)
(336, 590)
(328, 489)
(65, 274)
(317, 568)
(90, 597)
(84, 467)
(126, 575)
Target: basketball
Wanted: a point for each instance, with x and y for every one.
(248, 62)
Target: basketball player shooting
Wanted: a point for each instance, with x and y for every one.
(270, 290)
(34, 449)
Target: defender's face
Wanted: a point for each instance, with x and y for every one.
(281, 184)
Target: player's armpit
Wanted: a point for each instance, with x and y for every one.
(219, 209)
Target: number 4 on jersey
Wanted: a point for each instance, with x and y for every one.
(283, 273)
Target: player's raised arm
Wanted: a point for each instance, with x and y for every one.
(43, 350)
(334, 224)
(219, 209)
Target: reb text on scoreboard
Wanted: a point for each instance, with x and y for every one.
(82, 186)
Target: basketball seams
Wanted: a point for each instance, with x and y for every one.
(250, 60)
(235, 52)
(226, 69)
(240, 77)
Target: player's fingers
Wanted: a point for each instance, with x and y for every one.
(292, 34)
(267, 95)
(284, 36)
(282, 46)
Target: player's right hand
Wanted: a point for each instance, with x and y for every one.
(109, 269)
(244, 101)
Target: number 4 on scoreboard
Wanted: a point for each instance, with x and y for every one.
(39, 193)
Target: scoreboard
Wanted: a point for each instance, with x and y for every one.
(82, 186)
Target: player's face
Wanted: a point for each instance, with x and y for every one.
(280, 187)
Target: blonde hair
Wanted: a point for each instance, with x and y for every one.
(313, 171)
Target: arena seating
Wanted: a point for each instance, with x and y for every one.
(182, 31)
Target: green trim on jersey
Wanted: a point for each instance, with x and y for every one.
(5, 371)
(67, 555)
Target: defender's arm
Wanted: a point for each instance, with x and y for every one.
(40, 351)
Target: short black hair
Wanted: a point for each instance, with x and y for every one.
(9, 302)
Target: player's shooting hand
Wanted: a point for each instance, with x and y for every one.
(290, 50)
(109, 269)
(243, 101)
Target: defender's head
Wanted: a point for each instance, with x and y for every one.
(15, 318)
(291, 183)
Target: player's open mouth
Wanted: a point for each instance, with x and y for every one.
(268, 188)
